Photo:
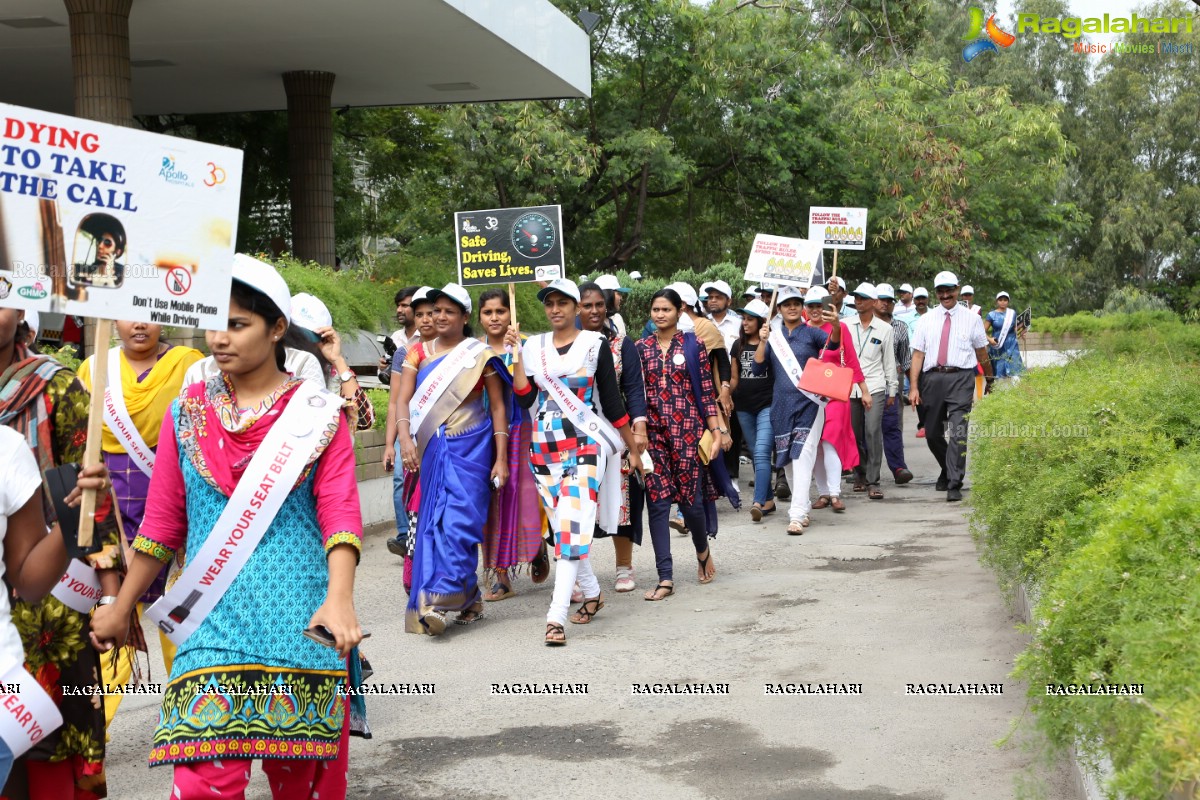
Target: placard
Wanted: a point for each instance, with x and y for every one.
(1025, 318)
(838, 228)
(780, 261)
(27, 713)
(509, 245)
(103, 221)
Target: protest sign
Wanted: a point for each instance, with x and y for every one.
(1025, 318)
(102, 221)
(509, 245)
(27, 713)
(838, 228)
(780, 261)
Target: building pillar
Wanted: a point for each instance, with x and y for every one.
(310, 159)
(100, 60)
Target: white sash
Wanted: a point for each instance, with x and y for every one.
(79, 587)
(116, 416)
(258, 497)
(27, 714)
(582, 416)
(791, 365)
(438, 381)
(1009, 316)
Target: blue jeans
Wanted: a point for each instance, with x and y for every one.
(6, 762)
(756, 430)
(398, 496)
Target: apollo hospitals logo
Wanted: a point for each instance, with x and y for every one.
(172, 174)
(984, 37)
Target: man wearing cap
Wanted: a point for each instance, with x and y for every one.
(614, 295)
(718, 296)
(904, 305)
(948, 345)
(874, 343)
(966, 297)
(635, 276)
(893, 414)
(837, 295)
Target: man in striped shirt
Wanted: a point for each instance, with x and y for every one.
(893, 415)
(947, 344)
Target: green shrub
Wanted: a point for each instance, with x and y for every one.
(1126, 609)
(353, 301)
(64, 355)
(379, 402)
(636, 309)
(1130, 300)
(1063, 436)
(1084, 322)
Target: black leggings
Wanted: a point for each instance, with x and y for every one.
(660, 532)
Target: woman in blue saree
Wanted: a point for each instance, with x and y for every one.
(1002, 329)
(449, 436)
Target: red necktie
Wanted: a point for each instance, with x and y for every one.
(944, 342)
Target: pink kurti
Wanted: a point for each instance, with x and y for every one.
(838, 431)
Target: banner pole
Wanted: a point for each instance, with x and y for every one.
(834, 275)
(92, 454)
(512, 315)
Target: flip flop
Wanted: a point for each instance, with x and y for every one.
(704, 567)
(476, 615)
(662, 586)
(499, 592)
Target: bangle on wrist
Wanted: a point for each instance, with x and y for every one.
(106, 600)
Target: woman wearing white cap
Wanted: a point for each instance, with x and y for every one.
(312, 330)
(1003, 329)
(573, 372)
(752, 399)
(450, 434)
(256, 476)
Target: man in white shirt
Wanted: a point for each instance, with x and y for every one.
(874, 343)
(403, 336)
(948, 344)
(718, 297)
(904, 305)
(966, 297)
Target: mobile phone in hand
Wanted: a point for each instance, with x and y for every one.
(321, 635)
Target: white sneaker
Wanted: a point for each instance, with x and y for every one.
(736, 488)
(625, 582)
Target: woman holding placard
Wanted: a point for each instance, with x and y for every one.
(44, 402)
(255, 476)
(146, 375)
(448, 434)
(573, 373)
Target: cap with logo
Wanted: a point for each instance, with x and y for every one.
(717, 286)
(686, 293)
(310, 313)
(865, 290)
(755, 308)
(564, 286)
(968, 289)
(816, 295)
(906, 287)
(611, 283)
(884, 291)
(452, 291)
(945, 279)
(920, 291)
(263, 277)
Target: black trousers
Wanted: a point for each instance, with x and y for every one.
(946, 398)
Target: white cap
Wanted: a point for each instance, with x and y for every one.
(866, 290)
(719, 286)
(310, 313)
(454, 292)
(906, 287)
(635, 276)
(422, 295)
(816, 295)
(839, 280)
(265, 278)
(611, 283)
(33, 321)
(998, 296)
(849, 302)
(884, 291)
(686, 293)
(789, 293)
(968, 289)
(945, 279)
(756, 308)
(920, 291)
(564, 286)
(753, 291)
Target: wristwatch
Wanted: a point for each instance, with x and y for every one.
(106, 600)
(347, 375)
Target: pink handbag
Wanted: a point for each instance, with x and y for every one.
(827, 380)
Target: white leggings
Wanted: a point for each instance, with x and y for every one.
(828, 471)
(802, 468)
(565, 575)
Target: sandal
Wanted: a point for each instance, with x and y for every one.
(539, 568)
(589, 609)
(663, 586)
(625, 582)
(822, 502)
(435, 623)
(499, 591)
(796, 527)
(555, 635)
(874, 493)
(476, 614)
(859, 486)
(756, 512)
(704, 576)
(836, 504)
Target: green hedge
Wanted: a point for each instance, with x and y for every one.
(1086, 322)
(1085, 488)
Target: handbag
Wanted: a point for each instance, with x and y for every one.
(705, 447)
(827, 380)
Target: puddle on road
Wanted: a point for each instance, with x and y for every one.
(904, 557)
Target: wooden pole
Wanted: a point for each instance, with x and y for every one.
(512, 315)
(92, 454)
(834, 275)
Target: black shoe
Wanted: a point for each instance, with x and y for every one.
(953, 495)
(782, 490)
(903, 476)
(397, 546)
(943, 483)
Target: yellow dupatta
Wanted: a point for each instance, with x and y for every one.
(147, 402)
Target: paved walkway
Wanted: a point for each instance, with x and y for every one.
(889, 593)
